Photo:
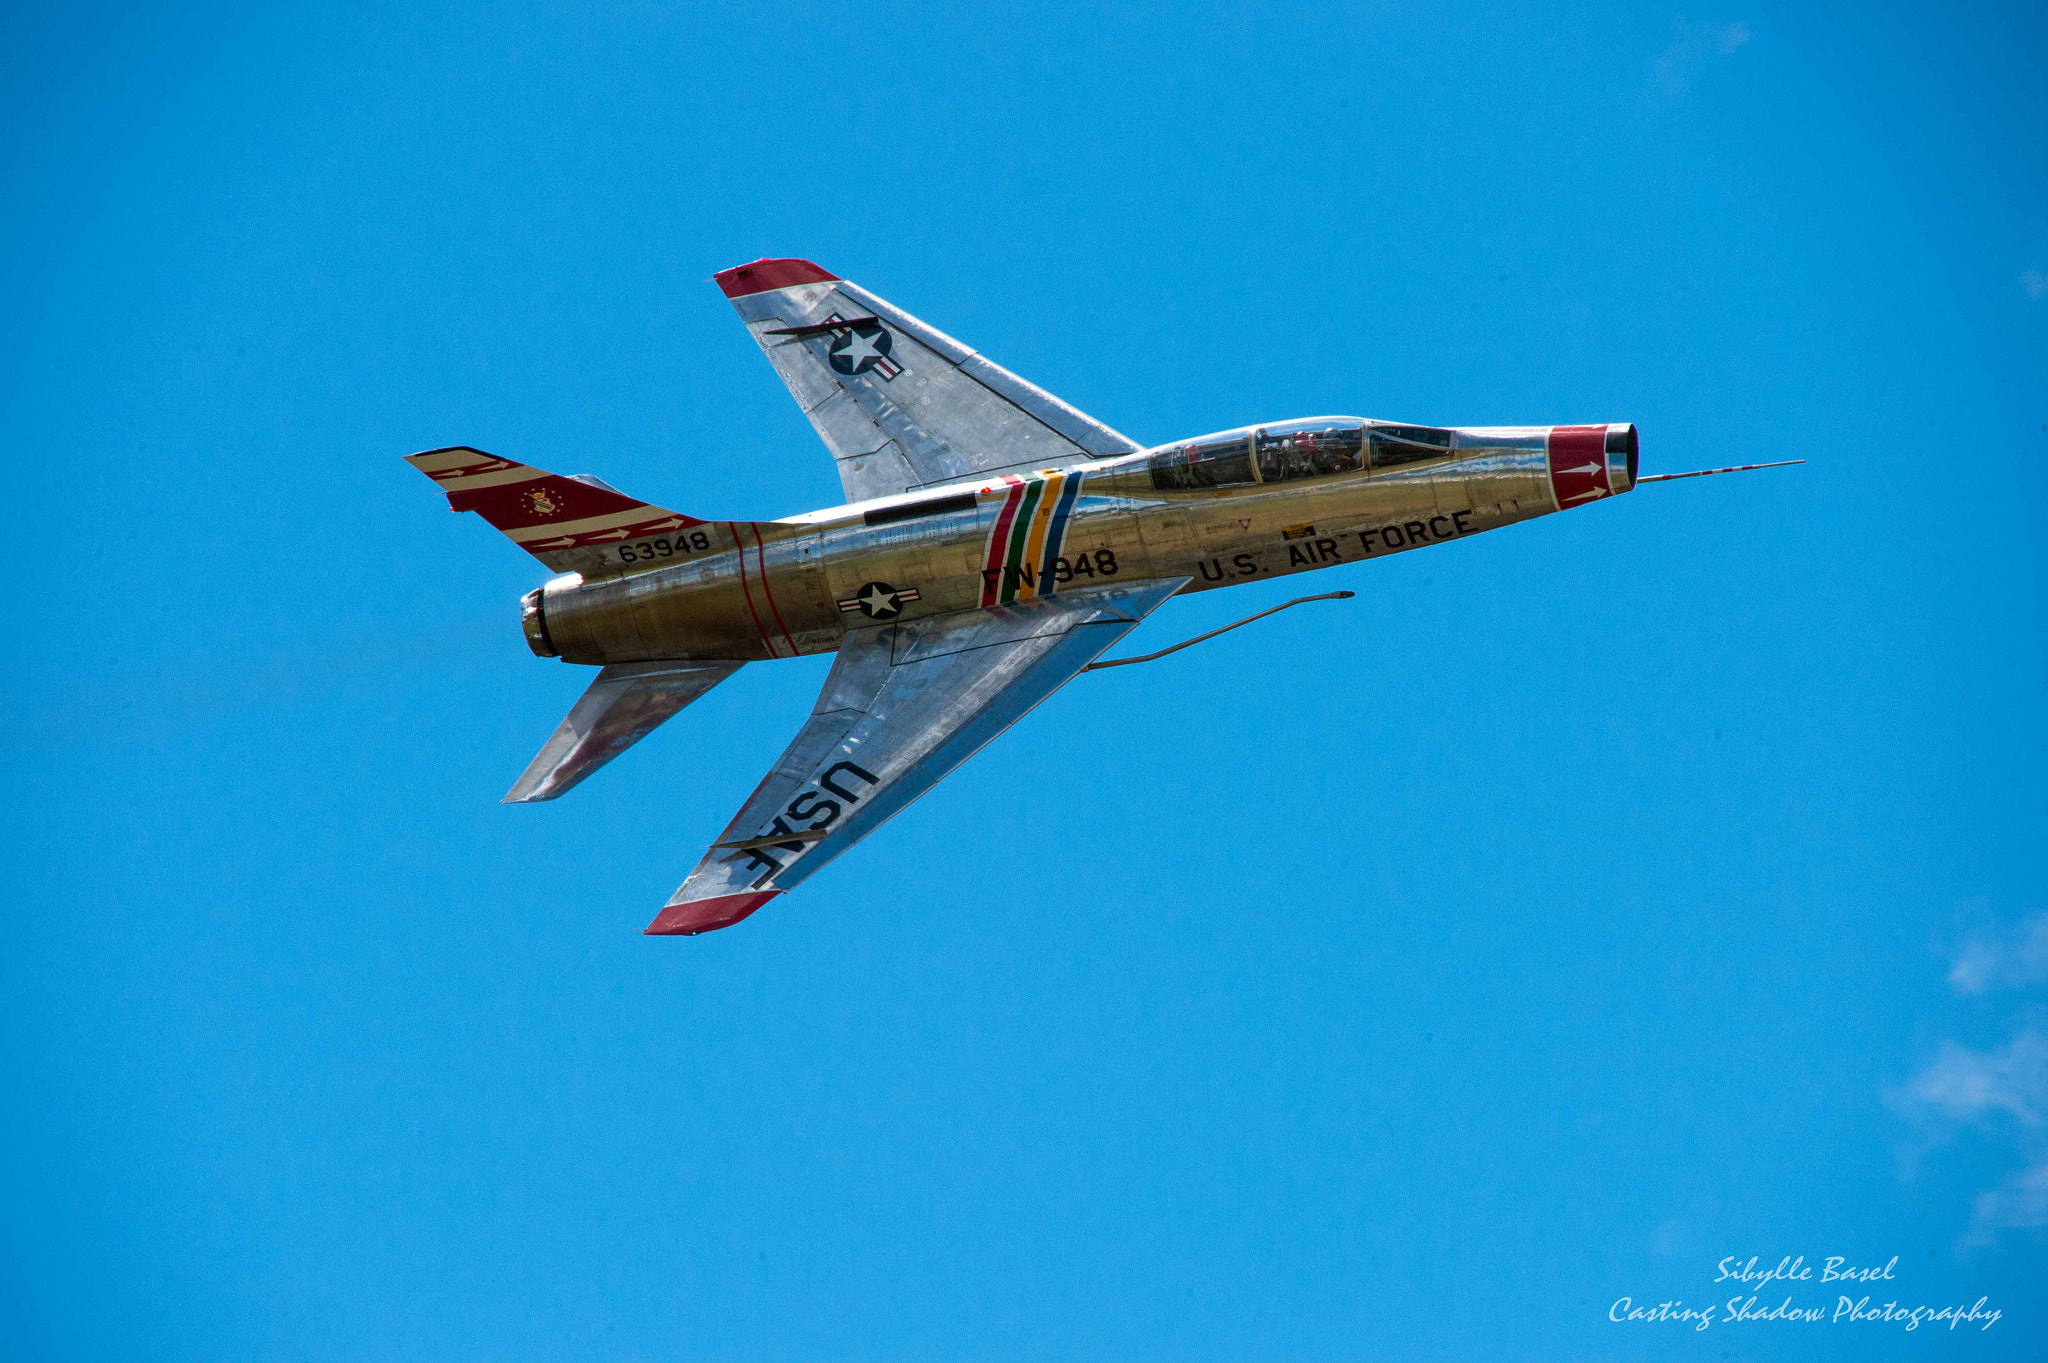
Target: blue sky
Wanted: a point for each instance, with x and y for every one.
(1411, 977)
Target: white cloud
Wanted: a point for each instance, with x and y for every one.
(2019, 1203)
(1966, 1086)
(2002, 1094)
(1695, 43)
(2003, 960)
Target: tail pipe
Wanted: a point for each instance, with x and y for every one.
(533, 618)
(1588, 463)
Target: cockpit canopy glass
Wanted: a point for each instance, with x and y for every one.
(1393, 445)
(1262, 454)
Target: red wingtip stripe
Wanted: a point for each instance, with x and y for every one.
(765, 274)
(706, 915)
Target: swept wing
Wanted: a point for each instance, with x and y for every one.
(900, 404)
(903, 706)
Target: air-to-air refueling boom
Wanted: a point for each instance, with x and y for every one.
(995, 543)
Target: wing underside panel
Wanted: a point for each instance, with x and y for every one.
(902, 707)
(624, 704)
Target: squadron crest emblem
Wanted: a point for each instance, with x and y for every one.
(541, 502)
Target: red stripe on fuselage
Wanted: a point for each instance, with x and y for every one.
(999, 541)
(761, 558)
(741, 551)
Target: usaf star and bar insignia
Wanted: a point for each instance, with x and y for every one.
(858, 349)
(857, 345)
(879, 600)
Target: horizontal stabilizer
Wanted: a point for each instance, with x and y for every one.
(627, 702)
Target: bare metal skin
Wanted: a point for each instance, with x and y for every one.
(1122, 526)
(994, 543)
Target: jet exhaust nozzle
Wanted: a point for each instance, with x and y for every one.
(533, 619)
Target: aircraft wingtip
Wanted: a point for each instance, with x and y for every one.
(704, 915)
(765, 274)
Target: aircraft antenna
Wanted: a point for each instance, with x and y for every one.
(1190, 643)
(1701, 473)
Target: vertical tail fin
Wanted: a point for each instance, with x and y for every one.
(572, 524)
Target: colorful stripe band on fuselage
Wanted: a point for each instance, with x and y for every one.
(1021, 532)
(1063, 498)
(1025, 542)
(999, 542)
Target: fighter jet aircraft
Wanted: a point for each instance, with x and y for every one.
(994, 543)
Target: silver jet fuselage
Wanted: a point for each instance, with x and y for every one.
(995, 543)
(1221, 510)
